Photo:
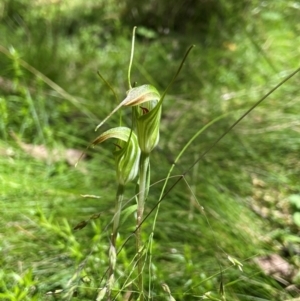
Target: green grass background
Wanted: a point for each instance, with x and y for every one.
(248, 185)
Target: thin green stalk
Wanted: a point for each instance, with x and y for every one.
(113, 248)
(131, 57)
(143, 193)
(116, 221)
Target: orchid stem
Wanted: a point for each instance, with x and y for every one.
(114, 234)
(142, 196)
(119, 197)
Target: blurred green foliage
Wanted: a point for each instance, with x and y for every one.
(50, 94)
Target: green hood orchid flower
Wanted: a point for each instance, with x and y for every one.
(147, 112)
(147, 116)
(127, 153)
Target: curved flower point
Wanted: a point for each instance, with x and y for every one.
(141, 94)
(127, 152)
(135, 96)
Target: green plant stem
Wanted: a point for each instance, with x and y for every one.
(143, 193)
(131, 56)
(113, 248)
(116, 221)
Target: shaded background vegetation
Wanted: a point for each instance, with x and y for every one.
(248, 184)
